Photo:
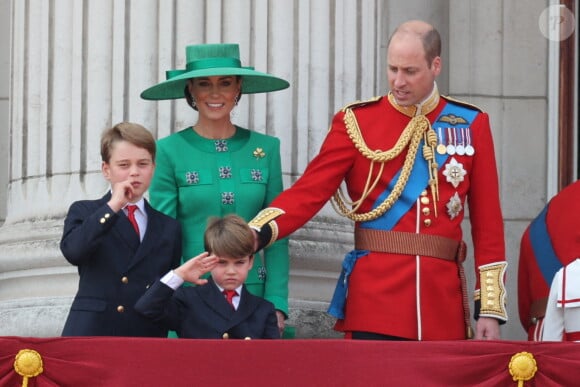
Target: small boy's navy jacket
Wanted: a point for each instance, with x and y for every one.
(202, 312)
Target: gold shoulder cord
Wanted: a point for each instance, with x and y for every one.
(419, 127)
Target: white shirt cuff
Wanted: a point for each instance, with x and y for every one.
(172, 280)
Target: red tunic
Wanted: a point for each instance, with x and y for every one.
(562, 224)
(401, 295)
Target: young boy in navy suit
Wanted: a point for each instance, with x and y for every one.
(206, 311)
(119, 243)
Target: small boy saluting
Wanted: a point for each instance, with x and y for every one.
(119, 243)
(220, 307)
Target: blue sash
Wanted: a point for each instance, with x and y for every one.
(336, 308)
(418, 181)
(419, 178)
(542, 247)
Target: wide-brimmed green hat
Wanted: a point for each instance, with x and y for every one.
(208, 60)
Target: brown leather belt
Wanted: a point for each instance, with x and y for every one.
(408, 243)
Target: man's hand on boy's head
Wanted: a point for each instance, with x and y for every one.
(193, 269)
(256, 240)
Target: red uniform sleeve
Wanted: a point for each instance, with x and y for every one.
(319, 182)
(485, 214)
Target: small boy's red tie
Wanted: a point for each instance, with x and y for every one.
(131, 215)
(230, 296)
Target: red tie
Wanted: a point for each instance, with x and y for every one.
(230, 296)
(131, 215)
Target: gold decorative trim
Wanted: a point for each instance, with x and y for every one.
(274, 227)
(417, 129)
(522, 367)
(423, 108)
(264, 217)
(28, 364)
(492, 293)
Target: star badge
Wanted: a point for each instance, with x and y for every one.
(454, 206)
(454, 172)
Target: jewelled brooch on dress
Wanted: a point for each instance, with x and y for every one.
(259, 153)
(256, 174)
(221, 146)
(225, 172)
(192, 177)
(261, 273)
(228, 197)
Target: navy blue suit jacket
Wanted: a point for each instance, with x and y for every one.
(202, 312)
(115, 269)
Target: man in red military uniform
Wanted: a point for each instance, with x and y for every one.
(551, 241)
(410, 160)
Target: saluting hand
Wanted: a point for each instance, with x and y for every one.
(192, 270)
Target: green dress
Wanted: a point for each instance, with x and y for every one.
(197, 178)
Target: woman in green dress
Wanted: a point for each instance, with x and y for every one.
(214, 167)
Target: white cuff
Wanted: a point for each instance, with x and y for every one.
(172, 280)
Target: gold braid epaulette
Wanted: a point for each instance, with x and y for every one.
(411, 137)
(361, 103)
(462, 103)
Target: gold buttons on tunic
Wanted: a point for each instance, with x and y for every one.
(125, 280)
(424, 200)
(225, 336)
(426, 211)
(120, 308)
(102, 220)
(427, 222)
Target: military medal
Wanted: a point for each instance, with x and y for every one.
(460, 149)
(454, 206)
(450, 146)
(469, 150)
(441, 148)
(454, 172)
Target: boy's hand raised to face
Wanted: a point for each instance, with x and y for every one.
(192, 270)
(122, 194)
